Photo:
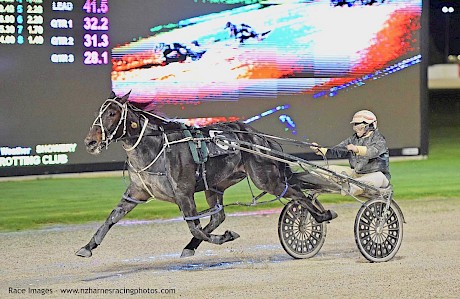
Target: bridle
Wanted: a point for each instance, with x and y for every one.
(106, 138)
(109, 138)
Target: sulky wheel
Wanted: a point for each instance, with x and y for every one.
(300, 235)
(379, 230)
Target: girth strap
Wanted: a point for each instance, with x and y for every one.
(200, 145)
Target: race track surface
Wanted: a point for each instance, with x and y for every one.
(142, 257)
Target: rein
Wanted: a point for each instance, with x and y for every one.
(295, 142)
(108, 138)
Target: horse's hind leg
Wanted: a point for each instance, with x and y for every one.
(318, 214)
(123, 208)
(268, 176)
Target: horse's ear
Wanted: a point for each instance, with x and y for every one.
(124, 98)
(112, 95)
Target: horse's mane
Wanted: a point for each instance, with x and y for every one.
(149, 107)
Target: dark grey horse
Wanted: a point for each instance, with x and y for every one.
(163, 163)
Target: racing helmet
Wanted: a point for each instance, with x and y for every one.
(364, 116)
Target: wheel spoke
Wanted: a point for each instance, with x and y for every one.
(369, 215)
(300, 235)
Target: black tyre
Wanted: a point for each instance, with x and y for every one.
(379, 230)
(300, 235)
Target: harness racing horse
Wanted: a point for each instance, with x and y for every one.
(164, 163)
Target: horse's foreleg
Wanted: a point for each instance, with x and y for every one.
(123, 208)
(212, 198)
(204, 234)
(200, 234)
(214, 222)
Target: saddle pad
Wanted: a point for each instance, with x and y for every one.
(214, 149)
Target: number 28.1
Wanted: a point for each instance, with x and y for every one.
(93, 57)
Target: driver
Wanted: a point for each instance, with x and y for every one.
(240, 32)
(366, 151)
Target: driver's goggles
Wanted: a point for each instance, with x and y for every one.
(359, 126)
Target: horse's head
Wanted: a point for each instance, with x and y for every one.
(109, 125)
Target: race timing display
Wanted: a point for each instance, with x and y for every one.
(284, 67)
(29, 22)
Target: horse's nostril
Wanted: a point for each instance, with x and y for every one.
(91, 143)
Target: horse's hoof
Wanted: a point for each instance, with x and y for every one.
(233, 235)
(326, 216)
(187, 253)
(333, 214)
(83, 252)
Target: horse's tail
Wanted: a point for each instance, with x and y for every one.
(263, 34)
(306, 180)
(249, 134)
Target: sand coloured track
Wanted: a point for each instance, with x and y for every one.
(146, 256)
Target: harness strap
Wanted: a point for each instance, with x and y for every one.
(167, 144)
(199, 151)
(149, 165)
(201, 156)
(209, 212)
(284, 191)
(145, 185)
(130, 199)
(144, 127)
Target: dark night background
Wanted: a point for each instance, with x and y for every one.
(443, 103)
(440, 25)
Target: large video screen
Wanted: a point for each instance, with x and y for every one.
(293, 69)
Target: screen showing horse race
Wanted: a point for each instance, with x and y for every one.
(292, 69)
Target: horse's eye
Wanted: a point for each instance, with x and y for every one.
(111, 113)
